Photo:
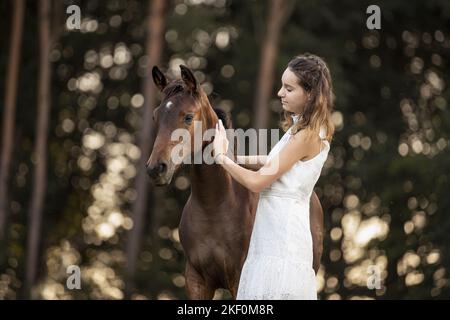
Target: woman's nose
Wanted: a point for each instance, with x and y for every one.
(280, 93)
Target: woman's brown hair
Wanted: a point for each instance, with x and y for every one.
(314, 77)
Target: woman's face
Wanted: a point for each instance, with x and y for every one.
(293, 96)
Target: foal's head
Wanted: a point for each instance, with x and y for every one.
(183, 103)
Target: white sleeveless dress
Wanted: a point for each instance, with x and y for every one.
(279, 262)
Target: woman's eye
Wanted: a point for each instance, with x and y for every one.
(289, 90)
(188, 118)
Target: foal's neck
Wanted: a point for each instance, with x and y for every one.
(211, 183)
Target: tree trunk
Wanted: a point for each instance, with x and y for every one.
(278, 13)
(155, 39)
(40, 152)
(9, 114)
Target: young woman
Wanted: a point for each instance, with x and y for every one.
(279, 260)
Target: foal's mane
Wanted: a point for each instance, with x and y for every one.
(222, 115)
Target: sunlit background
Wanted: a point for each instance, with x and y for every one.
(384, 187)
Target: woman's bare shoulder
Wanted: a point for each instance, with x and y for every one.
(306, 142)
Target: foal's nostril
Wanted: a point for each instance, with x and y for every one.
(157, 170)
(162, 167)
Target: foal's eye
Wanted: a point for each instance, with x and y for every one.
(188, 118)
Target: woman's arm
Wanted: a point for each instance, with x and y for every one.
(297, 148)
(251, 162)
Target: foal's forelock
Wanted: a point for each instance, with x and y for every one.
(172, 89)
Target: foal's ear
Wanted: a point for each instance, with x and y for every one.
(158, 78)
(188, 78)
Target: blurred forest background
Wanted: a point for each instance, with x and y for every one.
(77, 129)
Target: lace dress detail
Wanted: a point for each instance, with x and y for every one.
(280, 256)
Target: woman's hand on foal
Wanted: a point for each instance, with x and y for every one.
(220, 143)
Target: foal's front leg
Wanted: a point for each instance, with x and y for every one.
(196, 286)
